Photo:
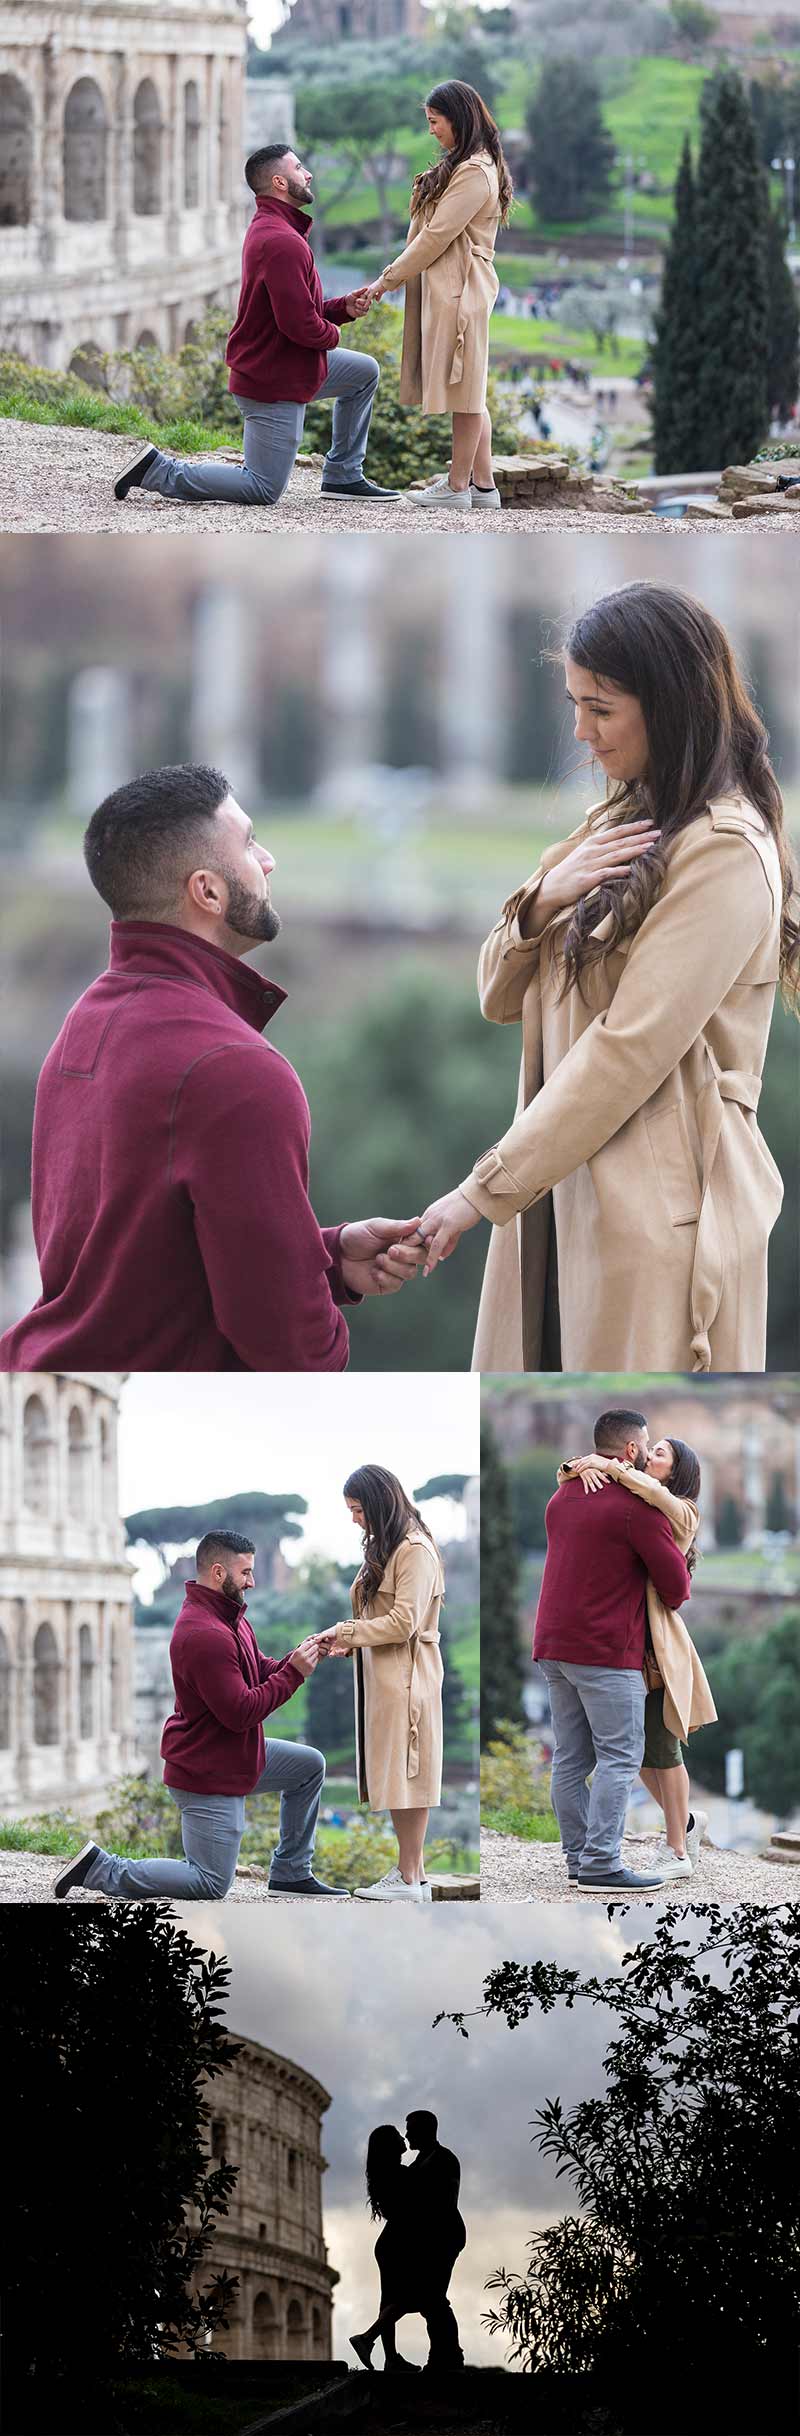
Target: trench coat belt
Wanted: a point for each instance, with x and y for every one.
(707, 1268)
(414, 1701)
(456, 372)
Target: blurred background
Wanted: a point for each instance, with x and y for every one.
(389, 714)
(744, 1614)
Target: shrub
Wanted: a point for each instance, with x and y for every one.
(515, 1795)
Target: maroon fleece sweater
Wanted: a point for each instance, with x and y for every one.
(214, 1740)
(170, 1178)
(284, 330)
(600, 1550)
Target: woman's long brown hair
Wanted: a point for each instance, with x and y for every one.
(684, 1481)
(475, 131)
(705, 739)
(388, 1516)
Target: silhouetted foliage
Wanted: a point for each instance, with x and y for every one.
(686, 2171)
(112, 2021)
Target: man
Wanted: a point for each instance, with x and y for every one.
(214, 1751)
(284, 349)
(436, 2183)
(589, 1641)
(170, 1142)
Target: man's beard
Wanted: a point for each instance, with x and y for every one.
(231, 1590)
(251, 917)
(640, 1461)
(296, 192)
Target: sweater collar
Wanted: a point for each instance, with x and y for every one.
(298, 219)
(163, 951)
(215, 1603)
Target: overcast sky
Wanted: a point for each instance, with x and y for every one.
(350, 1992)
(183, 1439)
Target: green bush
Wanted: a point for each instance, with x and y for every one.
(515, 1791)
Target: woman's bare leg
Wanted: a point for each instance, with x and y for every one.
(669, 1787)
(468, 435)
(482, 468)
(410, 1827)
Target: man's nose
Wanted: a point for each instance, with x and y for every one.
(266, 859)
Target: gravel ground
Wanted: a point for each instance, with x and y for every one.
(59, 480)
(517, 1872)
(27, 1877)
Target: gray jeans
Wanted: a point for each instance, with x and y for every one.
(272, 436)
(598, 1722)
(212, 1826)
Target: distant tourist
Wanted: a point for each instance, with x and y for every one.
(447, 271)
(284, 350)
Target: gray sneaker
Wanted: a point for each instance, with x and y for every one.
(617, 1881)
(439, 494)
(485, 499)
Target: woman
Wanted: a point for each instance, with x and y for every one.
(394, 1638)
(678, 1695)
(642, 960)
(447, 270)
(387, 2197)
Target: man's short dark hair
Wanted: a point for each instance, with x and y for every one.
(259, 169)
(612, 1429)
(144, 841)
(420, 2115)
(219, 1544)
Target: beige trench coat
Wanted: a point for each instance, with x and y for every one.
(688, 1701)
(635, 1139)
(447, 270)
(398, 1681)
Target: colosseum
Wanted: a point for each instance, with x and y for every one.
(122, 204)
(265, 2117)
(66, 1608)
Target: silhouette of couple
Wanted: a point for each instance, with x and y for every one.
(420, 2240)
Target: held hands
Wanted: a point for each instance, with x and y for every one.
(441, 1226)
(607, 855)
(306, 1657)
(358, 303)
(327, 1645)
(379, 1255)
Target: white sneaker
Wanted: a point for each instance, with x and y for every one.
(695, 1834)
(670, 1865)
(425, 1891)
(439, 494)
(391, 1889)
(485, 499)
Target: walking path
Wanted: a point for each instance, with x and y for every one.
(513, 1871)
(58, 479)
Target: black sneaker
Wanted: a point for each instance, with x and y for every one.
(306, 1886)
(617, 1881)
(76, 1871)
(133, 475)
(362, 489)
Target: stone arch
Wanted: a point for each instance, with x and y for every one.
(191, 145)
(115, 1677)
(85, 151)
(147, 338)
(46, 1687)
(5, 1694)
(16, 153)
(36, 1443)
(295, 2331)
(77, 1465)
(86, 1680)
(265, 2327)
(291, 2168)
(148, 143)
(318, 2343)
(106, 1470)
(190, 334)
(87, 363)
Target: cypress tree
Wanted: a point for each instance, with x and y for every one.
(502, 1666)
(731, 213)
(783, 357)
(573, 156)
(676, 354)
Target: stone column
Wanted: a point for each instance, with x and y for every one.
(472, 682)
(222, 709)
(24, 1703)
(707, 1534)
(121, 197)
(70, 1737)
(753, 1484)
(174, 165)
(103, 1695)
(209, 155)
(51, 178)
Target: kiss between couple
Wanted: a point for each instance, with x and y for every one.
(213, 1744)
(625, 1681)
(422, 2235)
(284, 349)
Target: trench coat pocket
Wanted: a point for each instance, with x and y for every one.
(675, 1168)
